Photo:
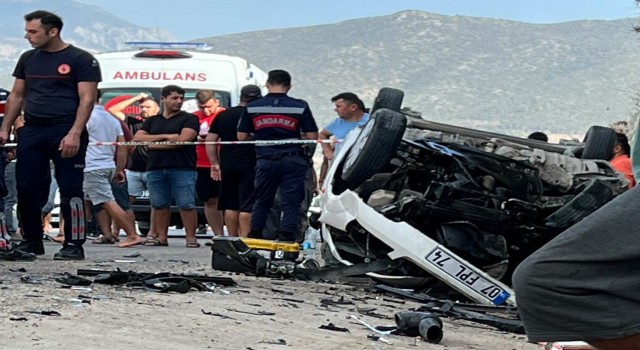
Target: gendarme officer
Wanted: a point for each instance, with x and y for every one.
(277, 116)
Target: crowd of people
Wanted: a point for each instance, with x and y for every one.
(56, 115)
(579, 286)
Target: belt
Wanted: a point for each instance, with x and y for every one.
(278, 156)
(48, 121)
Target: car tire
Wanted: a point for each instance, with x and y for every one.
(388, 98)
(599, 143)
(374, 147)
(597, 194)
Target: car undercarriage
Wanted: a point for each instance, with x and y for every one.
(483, 202)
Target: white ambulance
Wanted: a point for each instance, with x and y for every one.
(149, 66)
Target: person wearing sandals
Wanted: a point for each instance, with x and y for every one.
(101, 169)
(171, 168)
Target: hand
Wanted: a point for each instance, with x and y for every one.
(142, 95)
(69, 145)
(11, 154)
(4, 137)
(216, 175)
(120, 176)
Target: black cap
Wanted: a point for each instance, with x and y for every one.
(251, 91)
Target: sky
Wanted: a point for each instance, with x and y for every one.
(193, 19)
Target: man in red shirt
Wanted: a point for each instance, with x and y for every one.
(207, 189)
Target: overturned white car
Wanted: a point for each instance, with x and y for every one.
(461, 205)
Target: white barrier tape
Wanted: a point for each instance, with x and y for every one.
(190, 143)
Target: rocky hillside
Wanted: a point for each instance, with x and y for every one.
(494, 74)
(498, 75)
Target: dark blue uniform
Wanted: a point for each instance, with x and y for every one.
(278, 117)
(51, 104)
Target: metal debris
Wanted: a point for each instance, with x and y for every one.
(332, 327)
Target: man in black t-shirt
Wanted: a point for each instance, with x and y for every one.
(137, 163)
(57, 84)
(171, 169)
(236, 166)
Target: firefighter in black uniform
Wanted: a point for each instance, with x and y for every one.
(57, 83)
(278, 117)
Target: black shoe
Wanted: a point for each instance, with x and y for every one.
(33, 247)
(16, 255)
(70, 252)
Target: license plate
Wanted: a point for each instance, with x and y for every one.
(456, 269)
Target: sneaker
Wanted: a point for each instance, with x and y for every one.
(33, 247)
(16, 255)
(70, 252)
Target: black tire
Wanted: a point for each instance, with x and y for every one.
(586, 202)
(388, 98)
(374, 147)
(599, 142)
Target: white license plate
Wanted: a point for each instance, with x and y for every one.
(456, 269)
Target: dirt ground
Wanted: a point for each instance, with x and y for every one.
(119, 318)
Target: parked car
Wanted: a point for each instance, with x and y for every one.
(463, 205)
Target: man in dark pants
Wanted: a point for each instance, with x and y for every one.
(57, 83)
(279, 166)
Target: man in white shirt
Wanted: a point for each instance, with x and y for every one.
(101, 168)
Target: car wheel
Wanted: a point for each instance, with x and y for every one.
(599, 142)
(374, 147)
(586, 202)
(388, 98)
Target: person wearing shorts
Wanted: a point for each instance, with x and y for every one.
(171, 169)
(235, 166)
(100, 171)
(137, 163)
(208, 189)
(120, 192)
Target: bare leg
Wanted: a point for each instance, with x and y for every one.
(628, 343)
(245, 224)
(160, 219)
(190, 222)
(128, 217)
(122, 220)
(61, 226)
(231, 218)
(46, 223)
(104, 222)
(214, 216)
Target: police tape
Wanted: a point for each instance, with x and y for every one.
(192, 143)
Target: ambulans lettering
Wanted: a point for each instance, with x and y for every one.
(166, 76)
(275, 121)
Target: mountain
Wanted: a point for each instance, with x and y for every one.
(498, 75)
(86, 26)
